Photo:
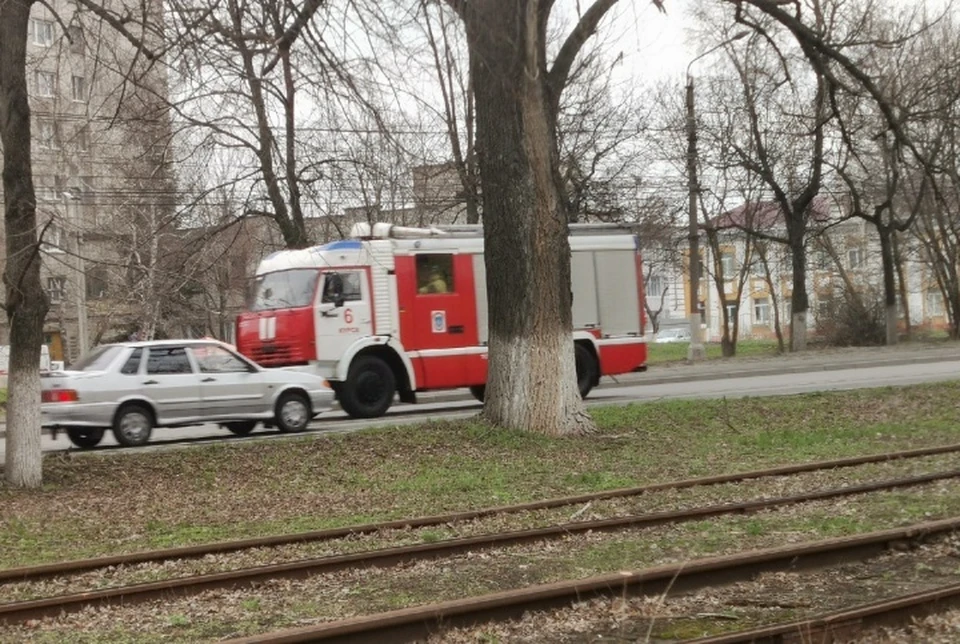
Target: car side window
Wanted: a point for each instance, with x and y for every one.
(168, 360)
(132, 365)
(214, 359)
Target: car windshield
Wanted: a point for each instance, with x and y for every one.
(284, 289)
(98, 359)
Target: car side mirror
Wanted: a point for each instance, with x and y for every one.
(339, 300)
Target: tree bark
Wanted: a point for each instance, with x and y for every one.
(26, 304)
(532, 373)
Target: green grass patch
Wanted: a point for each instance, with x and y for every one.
(98, 504)
(677, 351)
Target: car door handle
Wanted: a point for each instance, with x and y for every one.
(208, 380)
(456, 329)
(149, 382)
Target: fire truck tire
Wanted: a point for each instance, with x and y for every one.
(478, 391)
(85, 437)
(587, 369)
(369, 388)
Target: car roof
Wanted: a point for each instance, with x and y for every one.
(165, 343)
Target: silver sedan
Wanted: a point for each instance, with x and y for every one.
(136, 386)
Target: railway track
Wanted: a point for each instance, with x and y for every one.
(419, 622)
(845, 625)
(15, 612)
(30, 573)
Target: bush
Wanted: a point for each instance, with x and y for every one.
(853, 320)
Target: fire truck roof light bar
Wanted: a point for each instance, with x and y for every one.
(386, 230)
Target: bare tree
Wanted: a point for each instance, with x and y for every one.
(25, 303)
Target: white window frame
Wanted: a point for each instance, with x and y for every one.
(854, 257)
(47, 135)
(728, 261)
(761, 311)
(655, 286)
(934, 303)
(78, 88)
(56, 289)
(52, 239)
(44, 83)
(41, 32)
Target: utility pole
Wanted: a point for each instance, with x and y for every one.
(81, 281)
(696, 350)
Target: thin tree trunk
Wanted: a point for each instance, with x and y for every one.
(889, 284)
(532, 381)
(902, 286)
(26, 304)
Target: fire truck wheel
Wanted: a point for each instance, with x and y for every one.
(478, 391)
(85, 437)
(586, 369)
(369, 389)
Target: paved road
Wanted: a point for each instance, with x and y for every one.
(716, 380)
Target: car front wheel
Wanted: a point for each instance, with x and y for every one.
(85, 437)
(133, 426)
(293, 413)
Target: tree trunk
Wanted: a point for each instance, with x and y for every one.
(799, 302)
(532, 374)
(26, 304)
(902, 287)
(889, 283)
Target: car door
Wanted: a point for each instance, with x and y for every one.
(230, 387)
(170, 381)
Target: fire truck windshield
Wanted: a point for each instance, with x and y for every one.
(284, 289)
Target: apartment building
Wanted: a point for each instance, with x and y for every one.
(102, 186)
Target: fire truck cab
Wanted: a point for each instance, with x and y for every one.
(396, 310)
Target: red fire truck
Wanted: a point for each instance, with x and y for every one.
(396, 311)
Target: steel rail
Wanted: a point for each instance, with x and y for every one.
(28, 573)
(416, 623)
(845, 625)
(12, 612)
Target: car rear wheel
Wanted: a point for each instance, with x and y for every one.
(241, 427)
(587, 369)
(369, 388)
(293, 413)
(133, 425)
(85, 437)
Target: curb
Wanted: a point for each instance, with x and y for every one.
(715, 373)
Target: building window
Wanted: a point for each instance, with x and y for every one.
(41, 32)
(79, 88)
(52, 239)
(821, 260)
(96, 279)
(47, 135)
(727, 264)
(654, 286)
(934, 303)
(435, 274)
(77, 38)
(44, 82)
(82, 139)
(854, 258)
(56, 289)
(761, 310)
(731, 307)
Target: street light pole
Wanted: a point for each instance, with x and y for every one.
(696, 350)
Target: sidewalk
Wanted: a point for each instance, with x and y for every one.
(813, 360)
